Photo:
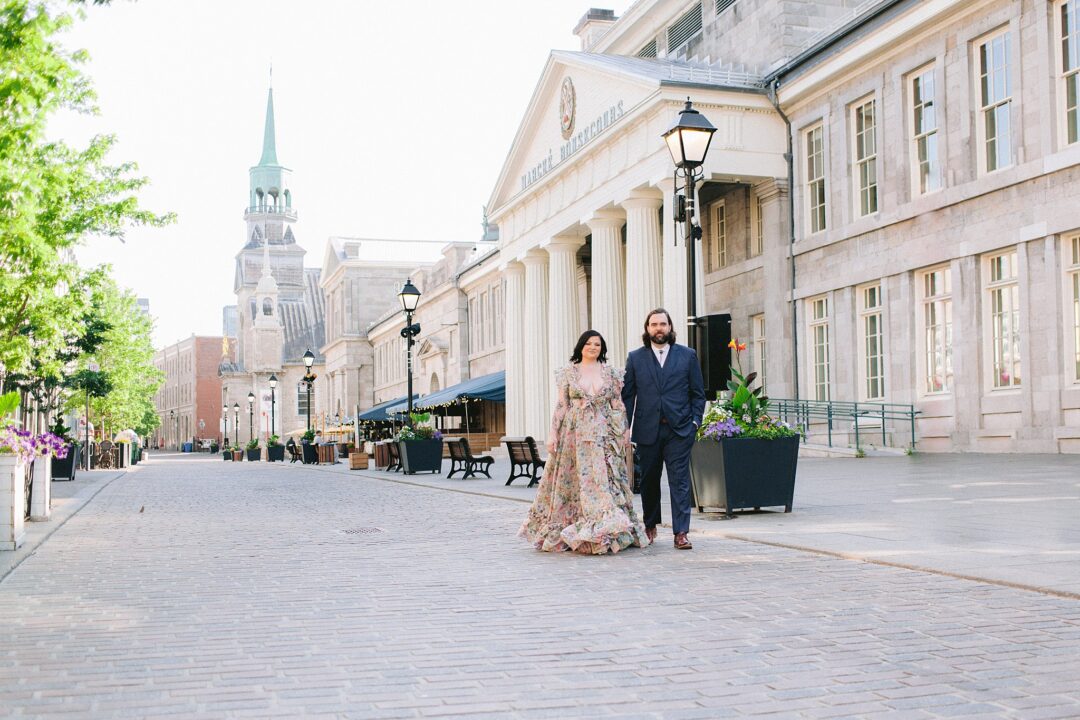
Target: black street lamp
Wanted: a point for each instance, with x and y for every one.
(172, 416)
(251, 416)
(309, 380)
(225, 414)
(410, 298)
(688, 141)
(273, 385)
(236, 420)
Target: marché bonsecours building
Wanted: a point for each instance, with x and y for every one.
(888, 207)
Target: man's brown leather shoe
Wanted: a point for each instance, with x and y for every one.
(682, 542)
(650, 532)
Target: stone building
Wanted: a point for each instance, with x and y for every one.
(279, 311)
(188, 403)
(921, 247)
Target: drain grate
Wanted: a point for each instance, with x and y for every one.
(363, 531)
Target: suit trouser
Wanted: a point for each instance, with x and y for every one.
(672, 451)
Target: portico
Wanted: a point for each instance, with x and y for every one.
(584, 204)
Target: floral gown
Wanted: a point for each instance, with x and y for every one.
(584, 502)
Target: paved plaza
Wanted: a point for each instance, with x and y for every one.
(190, 587)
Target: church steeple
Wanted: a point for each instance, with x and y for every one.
(269, 150)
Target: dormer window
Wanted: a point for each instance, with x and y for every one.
(268, 307)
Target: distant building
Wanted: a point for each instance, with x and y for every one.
(189, 401)
(144, 305)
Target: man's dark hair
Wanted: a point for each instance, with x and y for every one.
(646, 339)
(585, 336)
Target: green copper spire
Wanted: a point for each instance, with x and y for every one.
(269, 153)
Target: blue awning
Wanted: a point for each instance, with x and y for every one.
(487, 387)
(379, 412)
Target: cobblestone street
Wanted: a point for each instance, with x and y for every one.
(192, 587)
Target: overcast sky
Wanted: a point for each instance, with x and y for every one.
(394, 117)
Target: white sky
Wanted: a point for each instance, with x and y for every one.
(394, 117)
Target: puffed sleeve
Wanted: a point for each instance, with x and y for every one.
(562, 399)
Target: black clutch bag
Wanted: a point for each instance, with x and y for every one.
(633, 468)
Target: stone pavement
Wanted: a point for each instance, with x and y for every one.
(1009, 519)
(197, 588)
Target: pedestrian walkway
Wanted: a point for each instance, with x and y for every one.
(1003, 518)
(194, 588)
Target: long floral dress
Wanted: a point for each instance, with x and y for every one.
(584, 502)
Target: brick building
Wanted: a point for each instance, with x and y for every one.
(189, 401)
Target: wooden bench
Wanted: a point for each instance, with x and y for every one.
(294, 453)
(462, 460)
(525, 460)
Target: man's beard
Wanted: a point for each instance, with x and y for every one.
(661, 338)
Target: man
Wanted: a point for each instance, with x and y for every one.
(664, 393)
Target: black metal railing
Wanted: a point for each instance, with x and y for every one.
(804, 413)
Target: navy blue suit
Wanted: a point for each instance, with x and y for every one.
(667, 404)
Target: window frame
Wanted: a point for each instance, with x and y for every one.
(864, 160)
(866, 313)
(757, 229)
(1065, 75)
(719, 257)
(815, 184)
(1071, 265)
(942, 301)
(919, 134)
(815, 323)
(757, 335)
(986, 105)
(996, 363)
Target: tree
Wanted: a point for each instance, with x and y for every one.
(52, 196)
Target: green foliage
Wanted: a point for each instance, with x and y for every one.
(52, 196)
(62, 431)
(9, 403)
(744, 412)
(308, 436)
(417, 429)
(253, 444)
(274, 441)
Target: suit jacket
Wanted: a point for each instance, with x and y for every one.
(675, 392)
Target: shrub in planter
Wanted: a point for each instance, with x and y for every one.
(420, 446)
(237, 453)
(743, 458)
(254, 454)
(275, 451)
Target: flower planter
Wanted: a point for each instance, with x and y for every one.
(421, 456)
(39, 503)
(358, 461)
(254, 454)
(310, 454)
(64, 469)
(275, 453)
(238, 455)
(227, 455)
(739, 473)
(12, 502)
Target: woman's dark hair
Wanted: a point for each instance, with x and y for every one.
(646, 339)
(585, 337)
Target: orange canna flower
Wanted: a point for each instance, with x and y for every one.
(742, 346)
(731, 344)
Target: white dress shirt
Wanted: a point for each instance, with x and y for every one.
(661, 353)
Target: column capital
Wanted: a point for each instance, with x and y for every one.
(771, 188)
(535, 256)
(648, 198)
(564, 243)
(512, 267)
(602, 219)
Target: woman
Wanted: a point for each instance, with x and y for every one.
(584, 502)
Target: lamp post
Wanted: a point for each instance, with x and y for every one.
(92, 367)
(225, 414)
(410, 298)
(251, 416)
(172, 416)
(308, 380)
(236, 419)
(688, 141)
(273, 385)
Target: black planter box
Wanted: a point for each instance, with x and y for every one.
(64, 469)
(740, 473)
(420, 456)
(310, 454)
(254, 455)
(275, 453)
(227, 455)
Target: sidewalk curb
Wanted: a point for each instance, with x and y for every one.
(35, 539)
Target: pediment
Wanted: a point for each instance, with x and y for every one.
(431, 346)
(579, 99)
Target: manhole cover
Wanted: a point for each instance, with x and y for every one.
(363, 531)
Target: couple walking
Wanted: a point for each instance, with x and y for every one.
(584, 502)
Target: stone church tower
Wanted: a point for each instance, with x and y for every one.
(279, 306)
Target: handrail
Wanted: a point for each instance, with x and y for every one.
(270, 210)
(801, 412)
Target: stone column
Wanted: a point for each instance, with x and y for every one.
(644, 260)
(776, 264)
(538, 391)
(514, 273)
(563, 315)
(609, 283)
(673, 291)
